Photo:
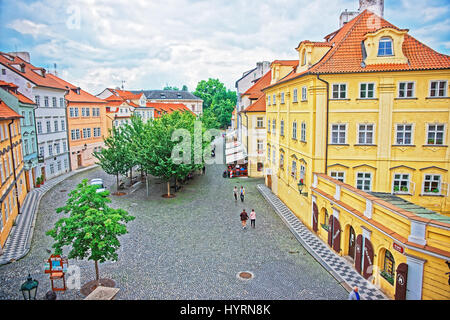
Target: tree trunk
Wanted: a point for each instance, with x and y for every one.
(131, 176)
(117, 177)
(97, 277)
(168, 188)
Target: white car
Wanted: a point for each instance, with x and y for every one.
(98, 182)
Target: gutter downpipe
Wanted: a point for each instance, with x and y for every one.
(326, 130)
(14, 166)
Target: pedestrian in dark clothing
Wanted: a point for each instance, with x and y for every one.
(252, 218)
(204, 169)
(244, 218)
(235, 192)
(242, 193)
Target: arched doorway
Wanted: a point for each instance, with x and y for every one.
(334, 234)
(351, 243)
(315, 217)
(364, 256)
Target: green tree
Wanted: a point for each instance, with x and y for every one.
(133, 135)
(170, 88)
(113, 158)
(185, 88)
(92, 228)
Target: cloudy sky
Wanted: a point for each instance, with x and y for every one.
(151, 43)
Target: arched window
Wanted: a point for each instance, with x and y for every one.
(388, 271)
(385, 47)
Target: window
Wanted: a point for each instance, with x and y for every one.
(30, 118)
(97, 132)
(404, 134)
(259, 166)
(401, 183)
(64, 146)
(50, 150)
(57, 148)
(259, 122)
(56, 125)
(61, 102)
(268, 125)
(273, 126)
(338, 133)
(435, 134)
(364, 181)
(282, 128)
(294, 95)
(268, 100)
(406, 90)
(304, 57)
(88, 112)
(294, 169)
(294, 130)
(41, 151)
(366, 90)
(273, 155)
(438, 89)
(385, 47)
(388, 271)
(274, 99)
(96, 112)
(339, 91)
(59, 165)
(432, 184)
(46, 101)
(302, 172)
(282, 97)
(71, 112)
(365, 134)
(260, 146)
(83, 112)
(49, 128)
(66, 164)
(338, 175)
(54, 102)
(75, 134)
(33, 144)
(26, 147)
(1, 171)
(37, 100)
(303, 132)
(3, 71)
(268, 153)
(304, 94)
(52, 168)
(281, 160)
(63, 125)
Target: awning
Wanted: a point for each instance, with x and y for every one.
(231, 133)
(233, 150)
(235, 157)
(230, 145)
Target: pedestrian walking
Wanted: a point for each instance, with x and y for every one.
(354, 295)
(204, 169)
(242, 193)
(244, 218)
(252, 218)
(235, 192)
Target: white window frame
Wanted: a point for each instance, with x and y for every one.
(339, 91)
(428, 131)
(385, 39)
(358, 131)
(274, 102)
(303, 131)
(339, 131)
(282, 128)
(406, 90)
(304, 93)
(274, 126)
(294, 170)
(294, 130)
(440, 184)
(445, 89)
(268, 125)
(396, 133)
(364, 179)
(400, 181)
(367, 90)
(282, 97)
(295, 95)
(336, 175)
(260, 122)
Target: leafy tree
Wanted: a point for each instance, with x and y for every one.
(185, 88)
(92, 228)
(114, 158)
(171, 88)
(133, 135)
(209, 119)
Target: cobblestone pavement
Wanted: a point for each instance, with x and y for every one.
(189, 247)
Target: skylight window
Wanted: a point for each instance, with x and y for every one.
(385, 47)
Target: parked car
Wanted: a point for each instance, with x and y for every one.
(98, 182)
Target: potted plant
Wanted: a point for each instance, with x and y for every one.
(38, 182)
(430, 141)
(396, 188)
(435, 190)
(405, 189)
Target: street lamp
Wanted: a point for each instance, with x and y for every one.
(301, 185)
(29, 288)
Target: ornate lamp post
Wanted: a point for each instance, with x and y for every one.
(301, 185)
(29, 288)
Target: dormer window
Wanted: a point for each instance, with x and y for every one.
(385, 47)
(304, 57)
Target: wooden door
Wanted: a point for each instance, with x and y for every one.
(368, 259)
(351, 243)
(79, 160)
(315, 217)
(336, 235)
(269, 181)
(27, 180)
(43, 173)
(400, 281)
(358, 253)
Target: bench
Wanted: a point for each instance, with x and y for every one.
(103, 293)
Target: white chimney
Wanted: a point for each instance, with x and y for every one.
(22, 55)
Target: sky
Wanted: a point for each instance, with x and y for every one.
(150, 44)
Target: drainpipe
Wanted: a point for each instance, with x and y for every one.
(14, 165)
(36, 141)
(326, 130)
(248, 163)
(66, 104)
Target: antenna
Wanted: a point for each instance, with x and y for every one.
(54, 65)
(123, 81)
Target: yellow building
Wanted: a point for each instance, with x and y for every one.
(367, 110)
(13, 187)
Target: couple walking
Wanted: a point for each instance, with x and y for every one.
(245, 216)
(241, 193)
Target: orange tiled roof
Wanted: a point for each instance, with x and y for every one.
(167, 108)
(124, 94)
(72, 95)
(257, 106)
(6, 113)
(29, 73)
(12, 89)
(345, 54)
(254, 92)
(292, 63)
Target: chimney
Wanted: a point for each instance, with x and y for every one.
(375, 6)
(22, 55)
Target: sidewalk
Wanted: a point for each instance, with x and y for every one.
(340, 268)
(19, 239)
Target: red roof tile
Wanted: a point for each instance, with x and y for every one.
(6, 113)
(73, 96)
(12, 89)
